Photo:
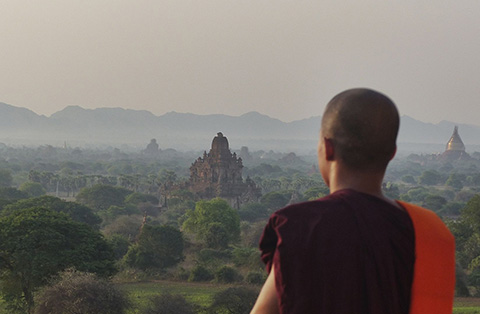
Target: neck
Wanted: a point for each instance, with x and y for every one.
(362, 181)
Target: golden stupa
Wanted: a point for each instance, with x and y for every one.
(455, 149)
(455, 143)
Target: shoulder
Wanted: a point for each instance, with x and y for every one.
(328, 206)
(426, 221)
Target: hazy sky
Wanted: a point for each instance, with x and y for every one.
(285, 59)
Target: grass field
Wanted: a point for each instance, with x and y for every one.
(466, 306)
(202, 294)
(198, 293)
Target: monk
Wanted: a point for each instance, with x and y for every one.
(355, 250)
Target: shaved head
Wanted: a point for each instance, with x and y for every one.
(363, 126)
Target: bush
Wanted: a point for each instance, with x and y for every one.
(170, 304)
(255, 278)
(247, 257)
(200, 273)
(227, 274)
(213, 257)
(78, 292)
(236, 300)
(119, 245)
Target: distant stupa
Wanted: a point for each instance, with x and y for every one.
(455, 148)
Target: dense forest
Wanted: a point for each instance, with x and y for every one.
(75, 220)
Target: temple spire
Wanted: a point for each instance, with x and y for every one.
(455, 143)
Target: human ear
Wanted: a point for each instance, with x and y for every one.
(329, 149)
(394, 153)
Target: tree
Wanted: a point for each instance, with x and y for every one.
(137, 198)
(253, 211)
(80, 292)
(455, 181)
(157, 247)
(434, 202)
(471, 212)
(77, 212)
(37, 243)
(275, 200)
(408, 178)
(430, 177)
(101, 197)
(216, 211)
(12, 194)
(5, 178)
(33, 189)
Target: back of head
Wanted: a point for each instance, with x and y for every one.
(363, 126)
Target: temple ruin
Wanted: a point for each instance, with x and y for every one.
(218, 173)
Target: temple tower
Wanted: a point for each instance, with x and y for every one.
(219, 174)
(455, 148)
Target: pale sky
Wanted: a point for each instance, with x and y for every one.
(285, 59)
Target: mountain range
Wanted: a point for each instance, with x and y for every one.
(77, 126)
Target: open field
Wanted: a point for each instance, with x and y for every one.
(198, 293)
(466, 306)
(202, 294)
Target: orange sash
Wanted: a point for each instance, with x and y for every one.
(434, 271)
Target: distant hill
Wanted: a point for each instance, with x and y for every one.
(185, 131)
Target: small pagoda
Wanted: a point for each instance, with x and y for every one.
(455, 149)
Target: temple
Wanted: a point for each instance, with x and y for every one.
(455, 149)
(219, 174)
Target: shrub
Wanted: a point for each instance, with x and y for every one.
(170, 304)
(255, 278)
(227, 274)
(236, 300)
(247, 257)
(200, 273)
(79, 292)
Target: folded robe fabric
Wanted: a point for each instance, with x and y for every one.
(434, 272)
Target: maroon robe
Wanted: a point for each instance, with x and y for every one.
(346, 253)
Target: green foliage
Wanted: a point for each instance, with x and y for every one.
(452, 208)
(430, 177)
(5, 178)
(418, 194)
(158, 247)
(200, 273)
(247, 257)
(461, 289)
(37, 243)
(408, 179)
(209, 216)
(227, 274)
(33, 189)
(216, 236)
(454, 181)
(236, 300)
(127, 226)
(119, 245)
(255, 277)
(471, 212)
(78, 292)
(12, 194)
(316, 192)
(170, 304)
(275, 200)
(253, 211)
(434, 202)
(77, 212)
(213, 257)
(101, 197)
(137, 198)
